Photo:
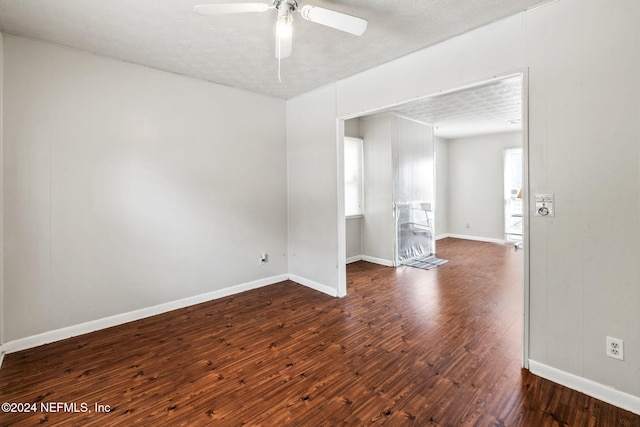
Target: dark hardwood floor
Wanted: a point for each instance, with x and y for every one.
(405, 347)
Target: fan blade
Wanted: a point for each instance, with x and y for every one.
(283, 46)
(330, 18)
(228, 8)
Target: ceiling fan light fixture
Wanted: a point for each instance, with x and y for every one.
(284, 23)
(284, 26)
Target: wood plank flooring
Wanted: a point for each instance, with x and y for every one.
(405, 347)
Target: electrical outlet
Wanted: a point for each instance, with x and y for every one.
(264, 258)
(468, 225)
(615, 348)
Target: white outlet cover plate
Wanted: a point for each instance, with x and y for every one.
(615, 348)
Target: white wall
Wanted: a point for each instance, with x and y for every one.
(584, 135)
(352, 128)
(353, 234)
(441, 213)
(316, 207)
(476, 184)
(127, 187)
(378, 224)
(583, 61)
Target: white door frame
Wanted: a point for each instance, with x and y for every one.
(341, 263)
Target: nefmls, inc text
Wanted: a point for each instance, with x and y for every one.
(53, 407)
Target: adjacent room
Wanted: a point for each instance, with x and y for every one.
(449, 165)
(179, 244)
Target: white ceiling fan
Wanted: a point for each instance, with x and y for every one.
(330, 18)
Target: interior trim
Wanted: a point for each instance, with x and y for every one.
(353, 259)
(314, 285)
(591, 388)
(385, 262)
(475, 238)
(119, 319)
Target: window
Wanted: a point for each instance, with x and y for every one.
(352, 177)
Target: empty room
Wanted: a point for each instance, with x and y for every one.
(176, 241)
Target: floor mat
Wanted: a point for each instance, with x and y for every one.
(426, 263)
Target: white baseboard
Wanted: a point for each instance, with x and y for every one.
(354, 259)
(591, 388)
(118, 319)
(1, 355)
(441, 236)
(381, 261)
(314, 285)
(476, 238)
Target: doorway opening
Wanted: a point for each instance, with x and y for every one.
(471, 129)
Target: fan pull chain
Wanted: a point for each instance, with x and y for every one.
(279, 57)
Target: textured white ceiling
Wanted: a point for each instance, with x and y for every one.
(238, 50)
(492, 107)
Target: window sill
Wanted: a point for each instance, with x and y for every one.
(354, 216)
